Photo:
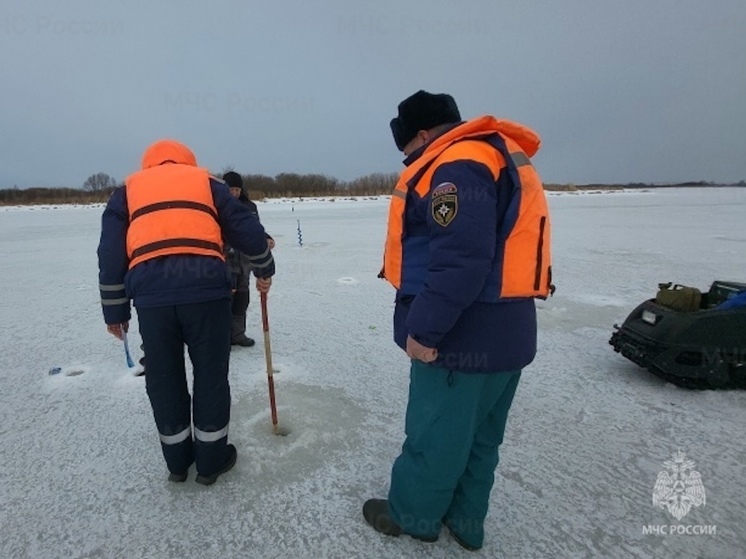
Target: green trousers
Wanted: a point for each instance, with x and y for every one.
(454, 426)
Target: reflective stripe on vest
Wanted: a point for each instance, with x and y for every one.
(171, 211)
(525, 229)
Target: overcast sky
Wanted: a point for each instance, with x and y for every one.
(619, 90)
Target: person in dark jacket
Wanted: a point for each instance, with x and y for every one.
(467, 250)
(240, 266)
(161, 247)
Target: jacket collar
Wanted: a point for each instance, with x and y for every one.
(412, 157)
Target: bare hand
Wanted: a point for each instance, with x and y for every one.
(118, 330)
(415, 350)
(271, 243)
(263, 284)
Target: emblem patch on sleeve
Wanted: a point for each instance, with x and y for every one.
(444, 203)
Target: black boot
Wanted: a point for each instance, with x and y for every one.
(178, 478)
(142, 363)
(376, 513)
(209, 480)
(243, 341)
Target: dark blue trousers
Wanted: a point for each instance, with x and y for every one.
(205, 330)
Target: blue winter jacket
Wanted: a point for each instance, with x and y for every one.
(175, 279)
(440, 304)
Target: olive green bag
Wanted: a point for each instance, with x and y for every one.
(678, 297)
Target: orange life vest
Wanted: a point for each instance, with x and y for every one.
(171, 211)
(524, 237)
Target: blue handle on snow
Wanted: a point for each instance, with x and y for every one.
(130, 363)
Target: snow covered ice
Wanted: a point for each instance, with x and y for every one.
(82, 474)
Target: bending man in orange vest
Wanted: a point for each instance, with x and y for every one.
(467, 251)
(161, 246)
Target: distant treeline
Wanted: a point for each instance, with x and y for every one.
(292, 185)
(634, 185)
(34, 196)
(258, 187)
(284, 185)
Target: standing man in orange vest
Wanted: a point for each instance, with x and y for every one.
(161, 246)
(467, 251)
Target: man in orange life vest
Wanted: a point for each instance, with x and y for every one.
(467, 251)
(161, 246)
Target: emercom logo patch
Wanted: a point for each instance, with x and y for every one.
(444, 203)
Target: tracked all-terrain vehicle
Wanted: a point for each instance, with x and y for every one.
(700, 348)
